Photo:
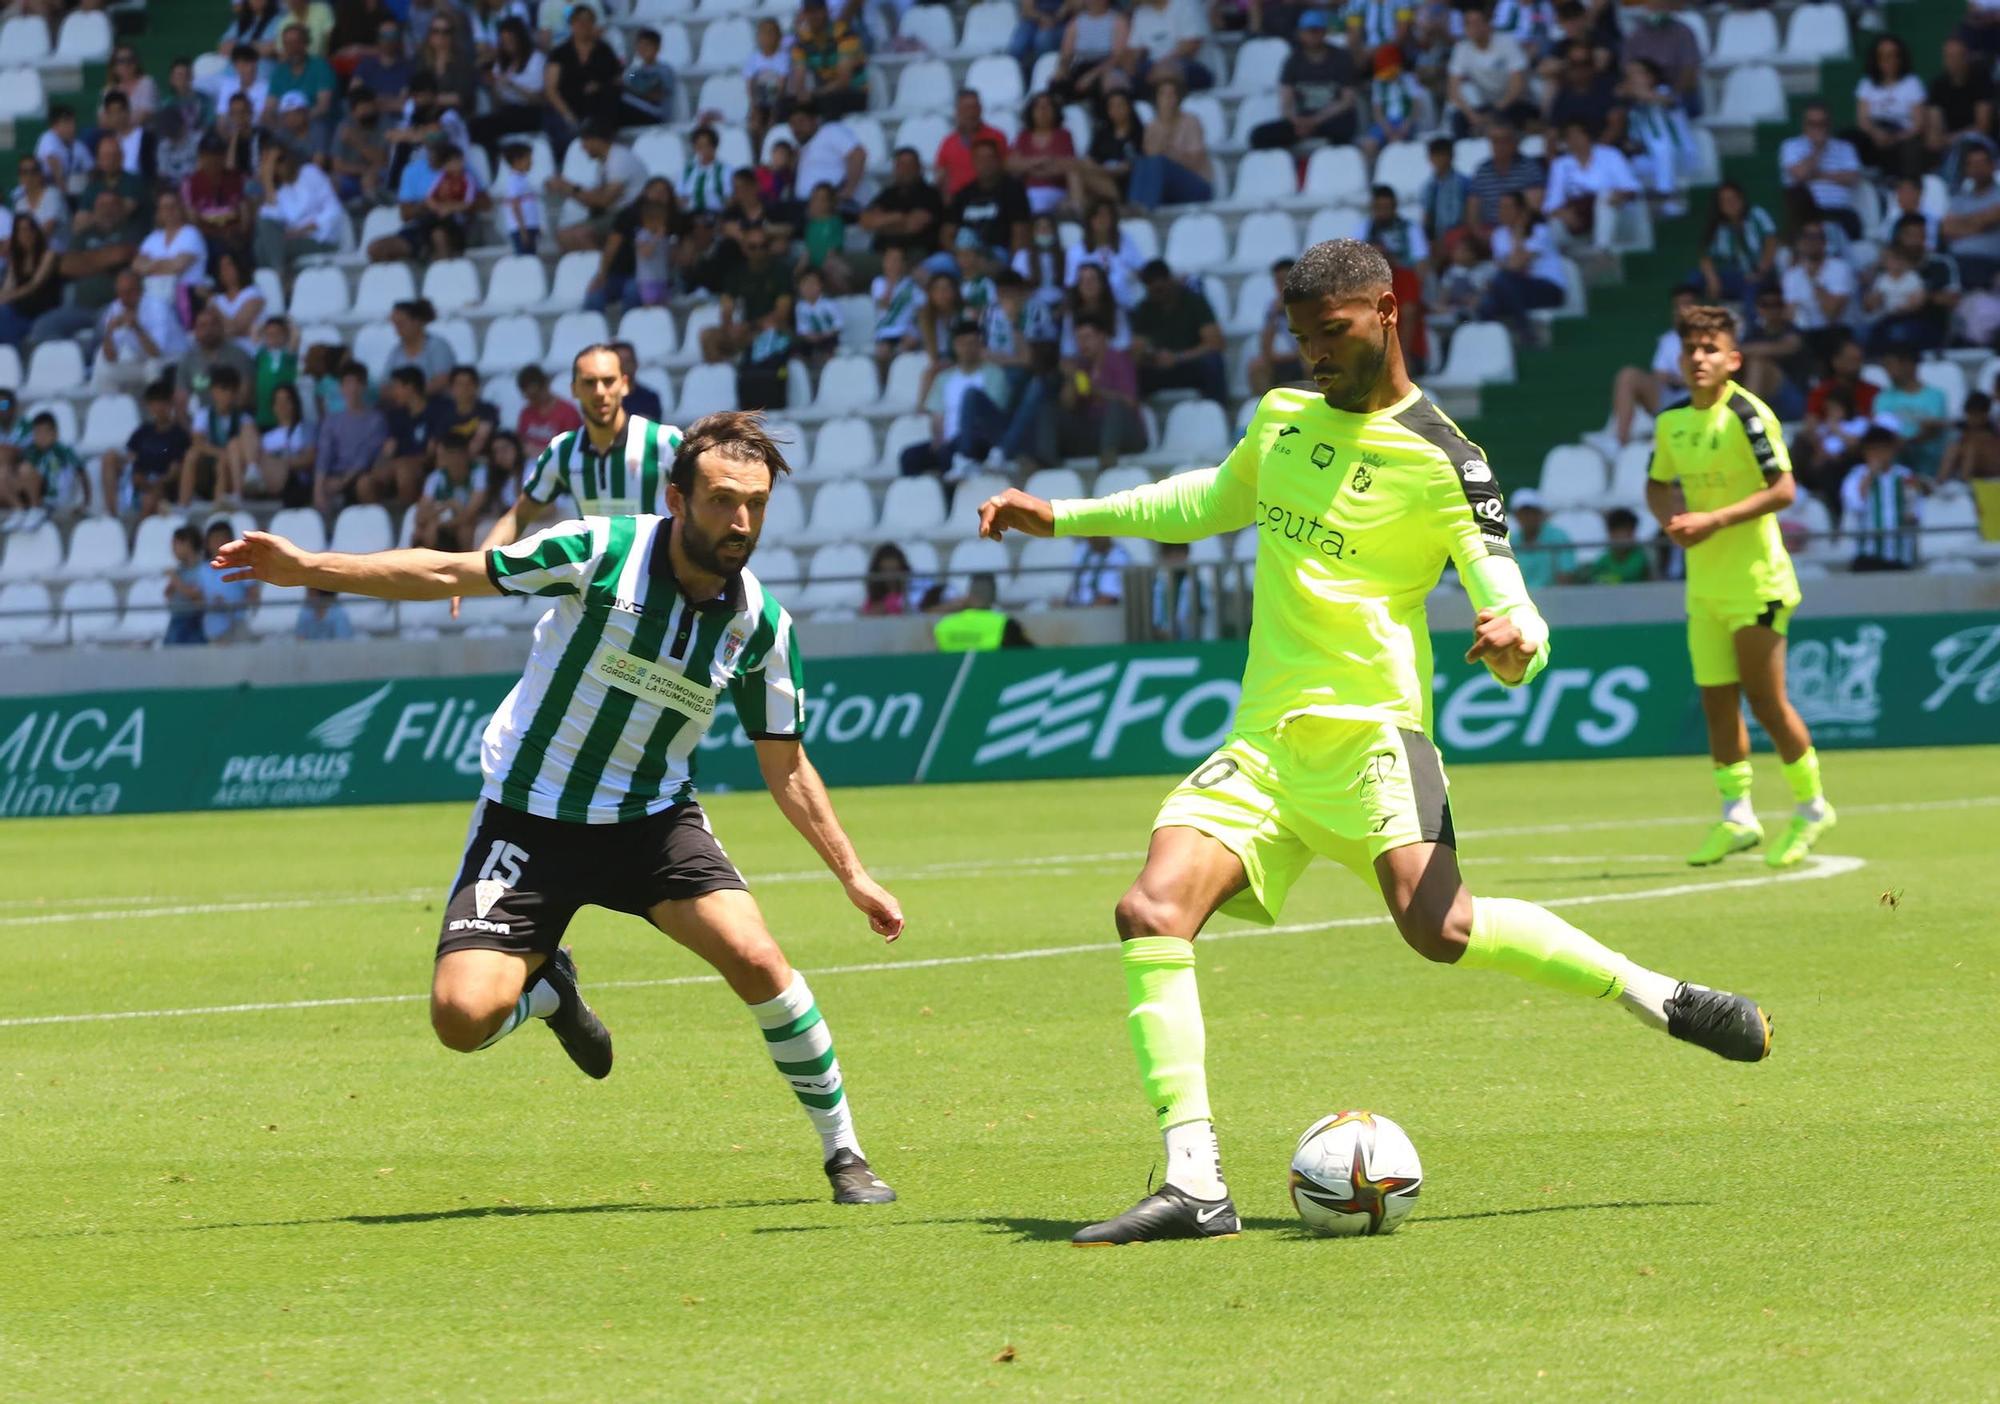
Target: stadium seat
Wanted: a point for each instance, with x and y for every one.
(708, 388)
(660, 151)
(997, 80)
(1482, 353)
(506, 397)
(1205, 109)
(363, 528)
(778, 567)
(1258, 64)
(929, 27)
(24, 42)
(511, 342)
(572, 332)
(1626, 228)
(651, 332)
(912, 508)
(1585, 530)
(65, 416)
(846, 384)
(1120, 478)
(374, 344)
(457, 333)
(726, 96)
(142, 621)
(1751, 94)
(1252, 112)
(31, 555)
(96, 551)
(1243, 315)
(845, 447)
(1469, 153)
(1196, 242)
(961, 522)
(1195, 431)
(572, 282)
(1336, 175)
(974, 557)
(301, 525)
(906, 374)
(1261, 238)
(86, 38)
(700, 317)
(27, 615)
(152, 550)
(1629, 472)
(55, 368)
(922, 86)
(987, 28)
(1041, 573)
(1573, 476)
(922, 133)
(1052, 483)
(1403, 166)
(382, 286)
(516, 282)
(857, 323)
(10, 367)
(89, 612)
(452, 285)
(1264, 179)
(676, 51)
(1948, 377)
(107, 424)
(1950, 521)
(1746, 36)
(380, 224)
(785, 517)
(319, 295)
(724, 46)
(1697, 25)
(843, 510)
(277, 612)
(1817, 34)
(834, 578)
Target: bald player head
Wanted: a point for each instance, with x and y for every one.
(1339, 307)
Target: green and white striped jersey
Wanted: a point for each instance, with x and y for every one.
(629, 478)
(625, 673)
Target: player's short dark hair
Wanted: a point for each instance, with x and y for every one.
(1339, 269)
(1706, 319)
(738, 435)
(1621, 519)
(225, 378)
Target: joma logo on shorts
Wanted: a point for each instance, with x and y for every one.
(1308, 531)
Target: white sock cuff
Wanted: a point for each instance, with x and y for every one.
(794, 1000)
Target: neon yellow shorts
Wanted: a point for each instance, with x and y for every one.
(1712, 629)
(1345, 790)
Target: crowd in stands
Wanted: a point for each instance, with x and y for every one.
(999, 259)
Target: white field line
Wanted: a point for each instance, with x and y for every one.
(1817, 868)
(120, 908)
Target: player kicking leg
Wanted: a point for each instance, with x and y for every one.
(1720, 473)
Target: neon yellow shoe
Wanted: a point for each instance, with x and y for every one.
(1724, 839)
(1798, 839)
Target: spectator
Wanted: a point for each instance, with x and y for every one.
(1097, 404)
(968, 128)
(756, 298)
(1670, 46)
(226, 602)
(505, 464)
(184, 592)
(1444, 197)
(299, 70)
(240, 302)
(1658, 139)
(63, 158)
(516, 86)
(1974, 455)
(1919, 411)
(1086, 61)
(129, 193)
(907, 214)
(1575, 30)
(896, 296)
(1588, 174)
(1175, 337)
(1021, 339)
(459, 413)
(1981, 27)
(1623, 561)
(652, 227)
(360, 162)
(1487, 77)
(283, 464)
(455, 496)
(134, 482)
(137, 147)
(1176, 169)
(1091, 297)
(416, 347)
(32, 286)
(599, 178)
(1460, 290)
(136, 333)
(222, 445)
(646, 91)
(640, 399)
(1658, 383)
(765, 71)
(942, 309)
(1959, 105)
(1117, 142)
(1827, 445)
(579, 82)
(824, 239)
(888, 583)
(348, 444)
(446, 59)
(829, 154)
(1972, 221)
(1889, 114)
(48, 477)
(704, 184)
(1316, 92)
(174, 249)
(237, 128)
(993, 205)
(1878, 505)
(1529, 273)
(89, 267)
(975, 625)
(1276, 361)
(1776, 358)
(302, 217)
(127, 77)
(214, 197)
(516, 201)
(1395, 102)
(1401, 240)
(1820, 289)
(276, 363)
(1739, 249)
(36, 197)
(816, 320)
(1162, 43)
(1844, 367)
(245, 75)
(1098, 577)
(183, 119)
(322, 618)
(1540, 549)
(398, 471)
(1043, 154)
(964, 404)
(1585, 93)
(1045, 264)
(1039, 31)
(829, 63)
(1505, 171)
(1821, 171)
(384, 69)
(1179, 601)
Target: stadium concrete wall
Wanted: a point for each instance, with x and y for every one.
(1865, 680)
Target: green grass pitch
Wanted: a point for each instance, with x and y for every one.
(316, 1201)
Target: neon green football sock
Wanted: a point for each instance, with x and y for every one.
(1803, 776)
(1165, 1022)
(1535, 944)
(1734, 783)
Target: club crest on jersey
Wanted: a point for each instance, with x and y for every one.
(1322, 455)
(1362, 479)
(1474, 470)
(733, 644)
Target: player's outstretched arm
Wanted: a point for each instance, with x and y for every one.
(1185, 507)
(801, 796)
(386, 575)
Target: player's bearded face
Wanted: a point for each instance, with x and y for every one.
(1344, 346)
(721, 520)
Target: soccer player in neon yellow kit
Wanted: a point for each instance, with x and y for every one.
(1727, 454)
(1359, 494)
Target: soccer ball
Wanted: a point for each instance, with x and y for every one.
(1353, 1173)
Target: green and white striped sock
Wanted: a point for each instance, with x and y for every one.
(802, 1047)
(536, 1002)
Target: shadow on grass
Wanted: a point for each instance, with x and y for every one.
(1561, 1209)
(470, 1211)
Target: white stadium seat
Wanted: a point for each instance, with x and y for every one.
(1585, 530)
(1264, 179)
(319, 295)
(515, 282)
(31, 555)
(726, 96)
(382, 286)
(1751, 94)
(785, 517)
(1817, 34)
(26, 615)
(1949, 377)
(55, 368)
(10, 367)
(930, 28)
(660, 151)
(1261, 238)
(152, 550)
(451, 285)
(1746, 36)
(511, 342)
(572, 281)
(651, 332)
(1336, 175)
(362, 529)
(988, 27)
(572, 332)
(1041, 572)
(1052, 483)
(1403, 166)
(1196, 431)
(24, 41)
(96, 551)
(86, 38)
(708, 388)
(845, 447)
(1573, 476)
(1195, 242)
(1251, 113)
(841, 511)
(107, 424)
(778, 567)
(1629, 473)
(906, 374)
(912, 507)
(90, 611)
(834, 578)
(1258, 64)
(974, 557)
(300, 525)
(997, 80)
(1482, 353)
(724, 46)
(374, 344)
(922, 86)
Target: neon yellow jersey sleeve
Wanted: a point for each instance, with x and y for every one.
(1185, 507)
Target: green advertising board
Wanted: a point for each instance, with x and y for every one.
(1020, 714)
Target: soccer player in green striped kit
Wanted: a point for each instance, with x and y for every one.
(588, 794)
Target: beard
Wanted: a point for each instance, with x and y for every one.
(705, 551)
(1362, 377)
(583, 408)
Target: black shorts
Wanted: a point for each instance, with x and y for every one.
(524, 877)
